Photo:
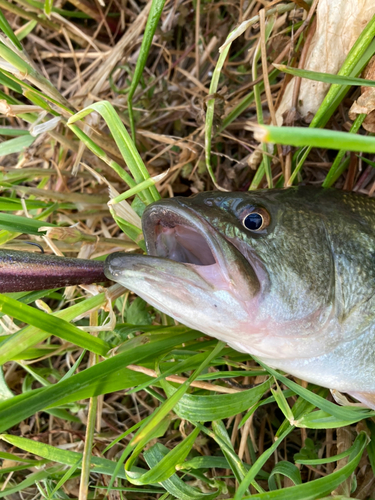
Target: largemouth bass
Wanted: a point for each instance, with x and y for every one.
(287, 275)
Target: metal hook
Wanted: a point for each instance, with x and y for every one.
(36, 244)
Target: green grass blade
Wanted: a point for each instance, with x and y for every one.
(323, 420)
(16, 145)
(11, 131)
(371, 444)
(65, 457)
(145, 433)
(124, 143)
(174, 485)
(320, 138)
(151, 25)
(188, 364)
(250, 476)
(338, 166)
(211, 111)
(285, 469)
(19, 224)
(282, 403)
(204, 462)
(220, 434)
(14, 345)
(300, 408)
(350, 64)
(358, 57)
(49, 92)
(29, 481)
(201, 408)
(5, 28)
(175, 397)
(319, 487)
(135, 190)
(68, 474)
(26, 29)
(52, 325)
(328, 460)
(5, 392)
(257, 177)
(343, 413)
(158, 431)
(11, 84)
(325, 77)
(89, 442)
(100, 153)
(167, 466)
(104, 377)
(48, 4)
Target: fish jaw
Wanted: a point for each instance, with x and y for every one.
(176, 289)
(191, 273)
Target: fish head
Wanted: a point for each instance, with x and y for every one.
(252, 269)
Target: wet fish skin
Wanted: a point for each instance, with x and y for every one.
(26, 271)
(299, 294)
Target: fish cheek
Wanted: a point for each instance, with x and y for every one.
(215, 313)
(298, 259)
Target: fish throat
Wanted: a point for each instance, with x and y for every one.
(183, 244)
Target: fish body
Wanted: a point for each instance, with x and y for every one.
(25, 271)
(287, 275)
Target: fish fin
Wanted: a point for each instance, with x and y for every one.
(368, 398)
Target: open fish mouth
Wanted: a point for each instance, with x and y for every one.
(183, 248)
(179, 234)
(181, 243)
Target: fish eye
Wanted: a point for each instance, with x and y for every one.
(256, 220)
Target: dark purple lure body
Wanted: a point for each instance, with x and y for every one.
(26, 271)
